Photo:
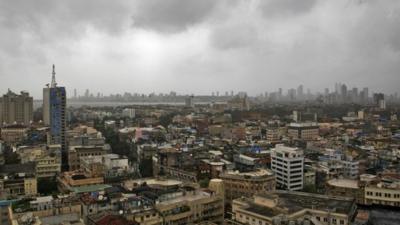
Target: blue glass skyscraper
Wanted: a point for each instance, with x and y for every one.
(54, 115)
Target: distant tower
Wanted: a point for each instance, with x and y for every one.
(54, 115)
(189, 101)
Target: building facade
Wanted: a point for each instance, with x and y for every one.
(288, 165)
(248, 183)
(16, 108)
(283, 207)
(303, 131)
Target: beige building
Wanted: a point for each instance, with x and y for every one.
(247, 183)
(176, 202)
(368, 190)
(47, 159)
(16, 109)
(345, 188)
(70, 180)
(13, 134)
(303, 131)
(382, 193)
(193, 207)
(75, 152)
(18, 186)
(40, 208)
(18, 180)
(294, 208)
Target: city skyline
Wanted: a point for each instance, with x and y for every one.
(184, 46)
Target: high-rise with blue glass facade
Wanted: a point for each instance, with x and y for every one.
(54, 113)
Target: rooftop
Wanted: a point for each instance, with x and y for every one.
(309, 124)
(297, 201)
(293, 202)
(346, 183)
(253, 174)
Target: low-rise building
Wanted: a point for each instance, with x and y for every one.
(18, 180)
(69, 181)
(76, 152)
(247, 183)
(346, 188)
(303, 131)
(46, 158)
(45, 210)
(13, 134)
(382, 193)
(282, 207)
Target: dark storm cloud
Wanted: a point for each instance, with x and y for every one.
(234, 36)
(271, 8)
(380, 31)
(171, 15)
(46, 21)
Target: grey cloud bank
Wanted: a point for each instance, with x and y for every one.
(197, 47)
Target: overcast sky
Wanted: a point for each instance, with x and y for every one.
(199, 46)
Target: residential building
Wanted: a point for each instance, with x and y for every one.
(304, 131)
(75, 152)
(46, 210)
(46, 158)
(345, 188)
(381, 191)
(18, 180)
(246, 184)
(84, 136)
(16, 109)
(13, 134)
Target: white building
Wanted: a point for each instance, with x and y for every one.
(350, 168)
(115, 161)
(128, 112)
(288, 165)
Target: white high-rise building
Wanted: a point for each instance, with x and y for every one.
(288, 164)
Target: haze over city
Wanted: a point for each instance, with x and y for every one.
(197, 47)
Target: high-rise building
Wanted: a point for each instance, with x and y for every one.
(16, 108)
(379, 99)
(189, 101)
(54, 115)
(288, 164)
(300, 92)
(343, 92)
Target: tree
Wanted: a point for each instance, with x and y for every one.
(204, 182)
(47, 186)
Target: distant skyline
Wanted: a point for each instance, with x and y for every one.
(199, 47)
